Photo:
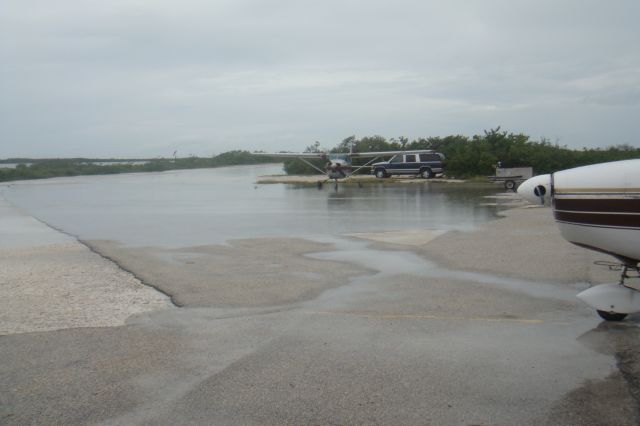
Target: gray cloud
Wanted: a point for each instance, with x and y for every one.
(141, 78)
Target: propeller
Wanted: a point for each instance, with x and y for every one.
(540, 191)
(536, 189)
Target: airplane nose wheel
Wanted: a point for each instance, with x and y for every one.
(611, 316)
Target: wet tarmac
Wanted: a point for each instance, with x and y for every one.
(343, 330)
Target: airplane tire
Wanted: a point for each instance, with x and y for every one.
(611, 316)
(380, 173)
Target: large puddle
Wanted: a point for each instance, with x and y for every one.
(389, 263)
(199, 207)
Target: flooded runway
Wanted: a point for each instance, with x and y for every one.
(476, 325)
(194, 207)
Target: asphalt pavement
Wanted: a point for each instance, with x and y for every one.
(466, 328)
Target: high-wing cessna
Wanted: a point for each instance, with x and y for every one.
(598, 207)
(339, 165)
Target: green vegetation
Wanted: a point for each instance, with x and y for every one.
(40, 169)
(476, 156)
(466, 157)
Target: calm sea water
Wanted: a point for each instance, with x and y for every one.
(193, 207)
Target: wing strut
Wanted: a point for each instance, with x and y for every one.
(365, 165)
(308, 163)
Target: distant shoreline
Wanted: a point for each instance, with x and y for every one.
(49, 168)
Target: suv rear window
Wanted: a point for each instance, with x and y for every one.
(429, 157)
(410, 158)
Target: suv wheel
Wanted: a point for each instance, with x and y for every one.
(380, 173)
(426, 173)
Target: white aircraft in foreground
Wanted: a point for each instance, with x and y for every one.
(598, 207)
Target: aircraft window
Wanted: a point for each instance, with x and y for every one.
(410, 158)
(396, 159)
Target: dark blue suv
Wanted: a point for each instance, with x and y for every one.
(426, 164)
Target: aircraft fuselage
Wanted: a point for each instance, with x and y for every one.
(598, 207)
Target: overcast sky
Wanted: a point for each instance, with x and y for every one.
(142, 78)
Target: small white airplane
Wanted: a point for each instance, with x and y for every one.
(339, 165)
(598, 207)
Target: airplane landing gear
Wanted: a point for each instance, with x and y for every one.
(615, 301)
(320, 184)
(611, 316)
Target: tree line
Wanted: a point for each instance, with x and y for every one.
(47, 168)
(478, 155)
(465, 157)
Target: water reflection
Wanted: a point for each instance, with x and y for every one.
(192, 207)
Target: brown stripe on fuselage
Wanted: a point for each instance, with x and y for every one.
(611, 191)
(608, 205)
(617, 220)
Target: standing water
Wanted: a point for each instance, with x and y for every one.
(194, 207)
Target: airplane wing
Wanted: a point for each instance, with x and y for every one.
(386, 153)
(292, 154)
(350, 154)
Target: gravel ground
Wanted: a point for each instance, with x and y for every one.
(309, 179)
(49, 281)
